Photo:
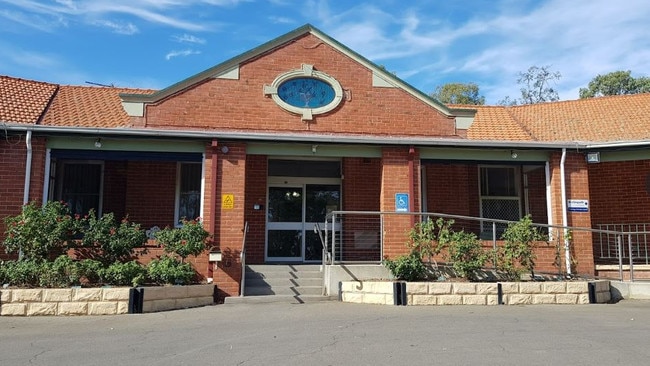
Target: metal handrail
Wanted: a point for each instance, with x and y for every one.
(242, 258)
(624, 238)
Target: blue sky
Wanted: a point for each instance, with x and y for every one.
(156, 43)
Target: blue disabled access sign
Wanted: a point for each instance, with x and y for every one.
(401, 202)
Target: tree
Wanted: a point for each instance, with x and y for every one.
(615, 83)
(458, 93)
(535, 86)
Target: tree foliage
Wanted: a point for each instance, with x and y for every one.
(535, 86)
(458, 93)
(615, 83)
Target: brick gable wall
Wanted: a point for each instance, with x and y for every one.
(241, 105)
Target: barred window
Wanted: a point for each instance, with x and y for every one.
(499, 196)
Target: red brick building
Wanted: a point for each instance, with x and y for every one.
(302, 126)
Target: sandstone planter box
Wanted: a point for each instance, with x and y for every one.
(479, 293)
(102, 301)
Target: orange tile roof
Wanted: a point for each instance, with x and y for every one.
(23, 101)
(89, 106)
(496, 123)
(614, 118)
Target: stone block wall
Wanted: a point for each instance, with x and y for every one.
(100, 301)
(176, 297)
(72, 301)
(470, 293)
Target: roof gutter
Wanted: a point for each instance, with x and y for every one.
(619, 144)
(292, 137)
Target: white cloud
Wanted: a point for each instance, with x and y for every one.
(281, 20)
(182, 53)
(127, 29)
(188, 38)
(491, 43)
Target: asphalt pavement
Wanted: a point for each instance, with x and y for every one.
(334, 333)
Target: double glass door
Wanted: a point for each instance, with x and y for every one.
(294, 208)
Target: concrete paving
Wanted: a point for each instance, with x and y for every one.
(333, 333)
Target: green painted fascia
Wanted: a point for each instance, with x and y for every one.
(308, 150)
(613, 156)
(483, 154)
(83, 143)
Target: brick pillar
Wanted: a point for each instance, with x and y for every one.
(577, 188)
(229, 223)
(400, 174)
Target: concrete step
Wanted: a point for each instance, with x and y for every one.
(289, 299)
(283, 290)
(283, 280)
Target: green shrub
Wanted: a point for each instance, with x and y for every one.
(36, 231)
(90, 270)
(169, 270)
(429, 237)
(466, 253)
(114, 242)
(407, 267)
(517, 255)
(22, 273)
(183, 241)
(62, 272)
(124, 274)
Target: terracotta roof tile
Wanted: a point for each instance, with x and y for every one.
(614, 118)
(85, 106)
(496, 123)
(23, 101)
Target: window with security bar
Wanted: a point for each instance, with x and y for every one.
(499, 196)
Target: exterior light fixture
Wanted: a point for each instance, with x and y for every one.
(98, 143)
(513, 154)
(593, 157)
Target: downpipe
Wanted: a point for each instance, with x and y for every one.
(565, 219)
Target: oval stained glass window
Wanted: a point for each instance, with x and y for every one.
(306, 92)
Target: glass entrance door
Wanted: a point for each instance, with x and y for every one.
(293, 210)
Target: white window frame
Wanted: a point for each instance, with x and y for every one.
(517, 185)
(177, 198)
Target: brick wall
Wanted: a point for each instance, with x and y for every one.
(240, 104)
(577, 187)
(361, 192)
(395, 179)
(115, 187)
(620, 192)
(256, 176)
(13, 154)
(231, 179)
(151, 192)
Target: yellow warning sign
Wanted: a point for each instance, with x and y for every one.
(227, 201)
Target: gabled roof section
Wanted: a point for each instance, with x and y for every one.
(89, 106)
(228, 68)
(496, 123)
(613, 118)
(24, 101)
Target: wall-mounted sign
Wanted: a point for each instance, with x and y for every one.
(227, 201)
(401, 202)
(578, 205)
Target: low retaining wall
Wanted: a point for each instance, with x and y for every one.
(101, 301)
(469, 293)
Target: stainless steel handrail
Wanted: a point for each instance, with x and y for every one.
(242, 258)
